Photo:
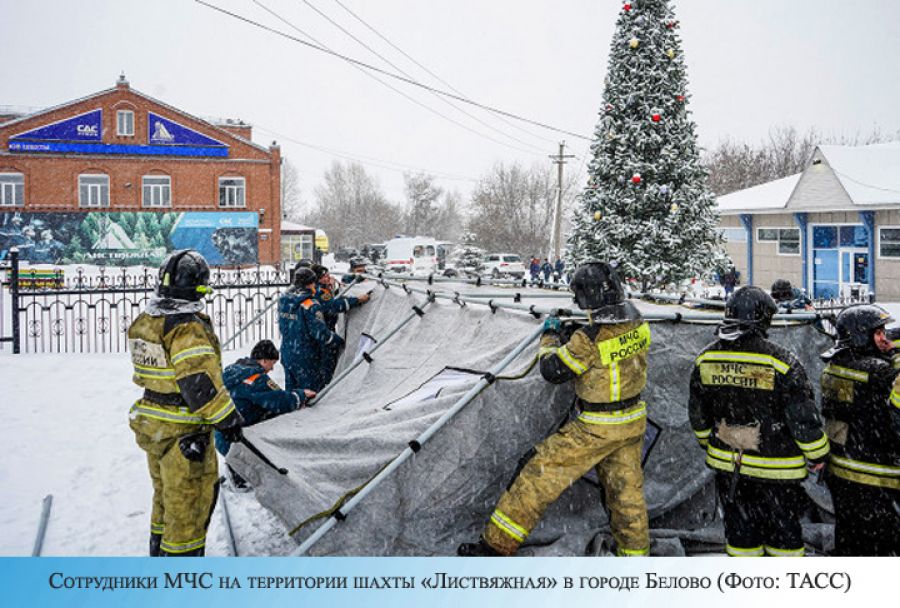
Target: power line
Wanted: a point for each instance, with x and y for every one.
(388, 85)
(318, 11)
(389, 74)
(438, 78)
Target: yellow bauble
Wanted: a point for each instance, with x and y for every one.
(671, 53)
(674, 208)
(597, 216)
(633, 43)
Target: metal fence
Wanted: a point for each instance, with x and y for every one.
(91, 313)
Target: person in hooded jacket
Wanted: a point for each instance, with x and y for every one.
(752, 409)
(861, 406)
(607, 363)
(305, 337)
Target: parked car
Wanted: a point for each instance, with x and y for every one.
(504, 265)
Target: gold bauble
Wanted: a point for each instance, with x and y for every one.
(597, 216)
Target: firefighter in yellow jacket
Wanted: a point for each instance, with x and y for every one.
(607, 360)
(177, 361)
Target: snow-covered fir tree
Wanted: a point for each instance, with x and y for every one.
(646, 206)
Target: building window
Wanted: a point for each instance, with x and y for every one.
(157, 191)
(889, 242)
(231, 192)
(734, 235)
(93, 190)
(125, 123)
(12, 189)
(788, 239)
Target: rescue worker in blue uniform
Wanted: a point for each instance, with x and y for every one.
(752, 409)
(861, 406)
(332, 307)
(256, 396)
(788, 297)
(607, 363)
(305, 337)
(357, 268)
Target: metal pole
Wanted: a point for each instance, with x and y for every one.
(232, 545)
(42, 526)
(377, 345)
(419, 441)
(249, 323)
(14, 298)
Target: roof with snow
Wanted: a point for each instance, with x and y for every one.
(294, 227)
(869, 176)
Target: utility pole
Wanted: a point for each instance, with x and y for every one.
(559, 160)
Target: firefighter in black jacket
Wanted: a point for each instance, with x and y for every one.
(752, 407)
(864, 427)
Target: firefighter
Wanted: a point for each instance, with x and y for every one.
(178, 363)
(751, 407)
(305, 338)
(332, 307)
(607, 361)
(862, 417)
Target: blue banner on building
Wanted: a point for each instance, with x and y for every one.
(164, 132)
(87, 127)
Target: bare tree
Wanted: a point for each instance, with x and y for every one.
(512, 209)
(422, 196)
(291, 196)
(351, 209)
(734, 166)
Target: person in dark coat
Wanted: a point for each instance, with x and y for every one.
(256, 396)
(547, 269)
(305, 338)
(559, 269)
(332, 307)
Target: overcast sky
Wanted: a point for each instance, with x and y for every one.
(752, 64)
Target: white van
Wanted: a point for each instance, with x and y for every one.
(411, 254)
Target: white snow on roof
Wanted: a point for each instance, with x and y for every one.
(771, 195)
(293, 226)
(870, 174)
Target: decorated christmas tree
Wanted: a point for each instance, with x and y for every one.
(646, 206)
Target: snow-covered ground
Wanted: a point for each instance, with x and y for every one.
(66, 434)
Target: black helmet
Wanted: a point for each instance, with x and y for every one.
(357, 263)
(782, 290)
(184, 275)
(304, 276)
(856, 324)
(595, 285)
(750, 308)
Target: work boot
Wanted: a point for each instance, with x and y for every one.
(479, 549)
(238, 483)
(155, 542)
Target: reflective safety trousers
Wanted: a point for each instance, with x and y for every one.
(611, 446)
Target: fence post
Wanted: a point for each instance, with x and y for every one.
(14, 297)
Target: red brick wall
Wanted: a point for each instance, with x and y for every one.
(51, 180)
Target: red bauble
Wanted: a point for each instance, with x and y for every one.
(656, 118)
(636, 178)
(627, 7)
(679, 98)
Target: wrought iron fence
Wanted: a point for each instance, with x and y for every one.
(90, 313)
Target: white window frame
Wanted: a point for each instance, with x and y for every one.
(160, 194)
(125, 128)
(878, 230)
(94, 191)
(12, 193)
(233, 192)
(777, 241)
(724, 229)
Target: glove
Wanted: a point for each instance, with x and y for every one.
(551, 324)
(232, 434)
(193, 447)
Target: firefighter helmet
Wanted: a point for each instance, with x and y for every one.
(856, 325)
(184, 276)
(357, 263)
(750, 309)
(782, 290)
(595, 285)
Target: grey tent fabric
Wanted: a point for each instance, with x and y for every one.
(443, 494)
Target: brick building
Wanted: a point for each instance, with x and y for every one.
(120, 177)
